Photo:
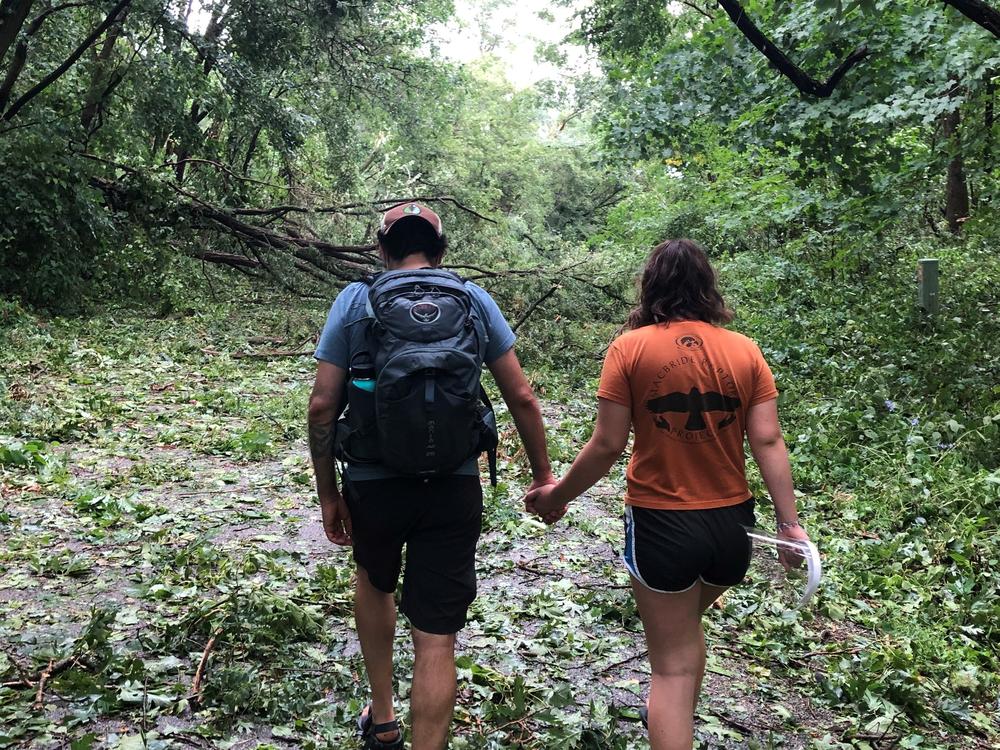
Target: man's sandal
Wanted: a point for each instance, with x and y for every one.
(368, 731)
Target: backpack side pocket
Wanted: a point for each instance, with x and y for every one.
(360, 442)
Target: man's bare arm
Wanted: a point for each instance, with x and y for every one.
(324, 408)
(520, 399)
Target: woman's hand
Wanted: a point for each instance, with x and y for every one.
(336, 519)
(789, 558)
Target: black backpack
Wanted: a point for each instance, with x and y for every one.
(415, 402)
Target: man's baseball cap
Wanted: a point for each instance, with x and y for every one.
(410, 211)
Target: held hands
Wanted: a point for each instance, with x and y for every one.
(539, 501)
(336, 519)
(790, 558)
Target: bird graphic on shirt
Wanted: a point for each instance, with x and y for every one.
(694, 403)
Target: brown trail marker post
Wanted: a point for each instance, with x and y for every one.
(927, 285)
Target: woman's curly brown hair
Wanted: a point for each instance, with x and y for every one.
(678, 283)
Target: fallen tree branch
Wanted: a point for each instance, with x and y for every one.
(199, 674)
(534, 306)
(802, 80)
(432, 199)
(228, 259)
(40, 694)
(55, 668)
(348, 208)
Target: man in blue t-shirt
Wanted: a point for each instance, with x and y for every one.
(437, 519)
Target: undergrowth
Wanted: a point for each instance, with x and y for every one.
(162, 562)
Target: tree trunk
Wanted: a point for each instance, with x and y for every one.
(103, 79)
(66, 64)
(213, 32)
(989, 121)
(956, 208)
(13, 14)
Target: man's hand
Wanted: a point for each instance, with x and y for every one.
(790, 558)
(543, 481)
(336, 519)
(539, 501)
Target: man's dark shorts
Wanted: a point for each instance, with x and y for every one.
(438, 520)
(671, 550)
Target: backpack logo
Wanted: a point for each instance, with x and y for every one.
(425, 312)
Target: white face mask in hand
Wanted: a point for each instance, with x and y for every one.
(794, 548)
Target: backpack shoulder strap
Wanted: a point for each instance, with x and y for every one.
(480, 317)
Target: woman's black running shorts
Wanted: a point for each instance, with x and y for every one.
(671, 550)
(438, 520)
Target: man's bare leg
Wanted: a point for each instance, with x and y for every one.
(432, 698)
(375, 618)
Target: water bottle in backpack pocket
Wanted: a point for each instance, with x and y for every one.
(359, 441)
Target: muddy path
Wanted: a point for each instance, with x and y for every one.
(163, 560)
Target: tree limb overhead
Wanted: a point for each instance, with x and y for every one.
(976, 10)
(802, 80)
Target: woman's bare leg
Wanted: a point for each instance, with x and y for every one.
(676, 644)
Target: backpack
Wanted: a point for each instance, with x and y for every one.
(415, 402)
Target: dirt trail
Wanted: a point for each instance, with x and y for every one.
(525, 571)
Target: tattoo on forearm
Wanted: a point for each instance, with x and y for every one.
(321, 442)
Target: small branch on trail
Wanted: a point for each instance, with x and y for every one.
(54, 668)
(23, 671)
(802, 80)
(40, 694)
(539, 573)
(739, 726)
(534, 306)
(838, 652)
(641, 655)
(271, 355)
(267, 340)
(535, 571)
(200, 672)
(892, 738)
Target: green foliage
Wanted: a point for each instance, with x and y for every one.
(145, 463)
(873, 150)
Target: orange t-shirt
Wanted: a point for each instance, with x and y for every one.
(689, 385)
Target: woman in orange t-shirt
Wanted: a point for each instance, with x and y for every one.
(690, 390)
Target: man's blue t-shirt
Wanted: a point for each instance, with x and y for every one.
(343, 331)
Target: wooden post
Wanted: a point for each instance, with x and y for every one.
(927, 285)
